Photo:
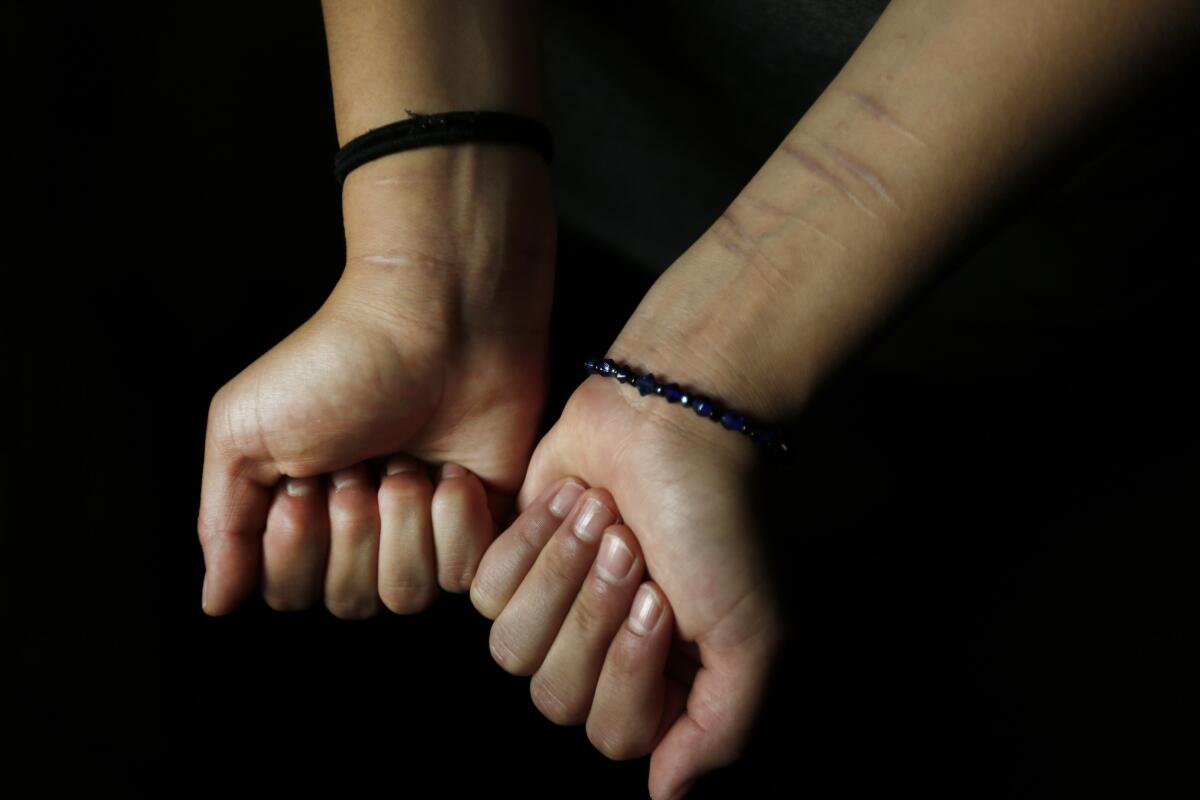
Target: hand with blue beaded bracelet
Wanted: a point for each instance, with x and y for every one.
(897, 165)
(640, 606)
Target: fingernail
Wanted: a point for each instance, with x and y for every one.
(344, 478)
(645, 611)
(565, 499)
(300, 487)
(615, 561)
(453, 471)
(592, 520)
(204, 594)
(398, 464)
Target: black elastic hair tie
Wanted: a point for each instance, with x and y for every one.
(424, 130)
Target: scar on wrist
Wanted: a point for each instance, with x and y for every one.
(789, 216)
(865, 175)
(391, 261)
(881, 114)
(402, 180)
(811, 164)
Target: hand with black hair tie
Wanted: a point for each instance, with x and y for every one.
(366, 460)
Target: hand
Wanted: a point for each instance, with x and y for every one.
(676, 666)
(431, 348)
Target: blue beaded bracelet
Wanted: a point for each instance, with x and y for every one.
(705, 407)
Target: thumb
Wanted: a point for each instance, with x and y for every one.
(721, 709)
(549, 463)
(235, 495)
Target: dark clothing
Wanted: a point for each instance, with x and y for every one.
(663, 113)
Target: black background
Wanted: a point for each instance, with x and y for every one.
(989, 548)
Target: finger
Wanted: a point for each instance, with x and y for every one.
(351, 580)
(526, 628)
(462, 527)
(407, 564)
(721, 707)
(631, 694)
(505, 564)
(563, 686)
(235, 493)
(296, 545)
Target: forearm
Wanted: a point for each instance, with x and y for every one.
(430, 55)
(941, 113)
(468, 226)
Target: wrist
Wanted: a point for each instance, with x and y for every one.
(465, 233)
(714, 325)
(469, 197)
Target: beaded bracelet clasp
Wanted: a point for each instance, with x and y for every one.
(703, 406)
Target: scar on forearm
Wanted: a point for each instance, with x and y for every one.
(814, 166)
(881, 114)
(735, 243)
(774, 210)
(862, 172)
(749, 248)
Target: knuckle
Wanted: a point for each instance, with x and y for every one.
(483, 600)
(220, 434)
(205, 528)
(455, 574)
(352, 606)
(407, 595)
(624, 655)
(562, 558)
(535, 530)
(216, 406)
(588, 616)
(554, 705)
(279, 600)
(505, 655)
(611, 743)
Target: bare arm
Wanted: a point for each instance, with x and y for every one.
(484, 209)
(430, 55)
(941, 113)
(448, 277)
(946, 108)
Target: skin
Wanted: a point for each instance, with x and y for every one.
(364, 461)
(367, 457)
(942, 114)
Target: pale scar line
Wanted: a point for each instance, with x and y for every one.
(865, 175)
(404, 181)
(393, 261)
(876, 110)
(821, 171)
(774, 209)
